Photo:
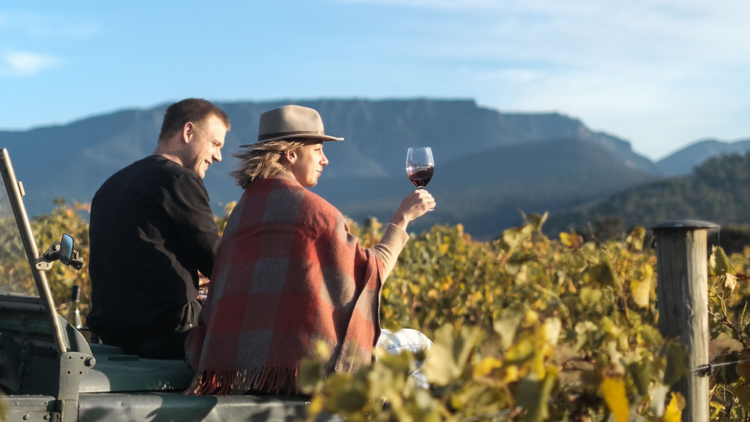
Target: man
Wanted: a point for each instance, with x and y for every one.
(151, 231)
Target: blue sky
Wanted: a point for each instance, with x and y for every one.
(660, 73)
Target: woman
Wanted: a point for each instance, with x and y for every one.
(288, 272)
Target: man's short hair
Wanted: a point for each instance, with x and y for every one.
(194, 110)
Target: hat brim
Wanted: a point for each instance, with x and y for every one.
(323, 138)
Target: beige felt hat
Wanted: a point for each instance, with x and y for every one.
(291, 121)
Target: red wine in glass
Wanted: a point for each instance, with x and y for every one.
(420, 166)
(420, 176)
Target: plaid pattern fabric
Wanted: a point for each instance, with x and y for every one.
(288, 274)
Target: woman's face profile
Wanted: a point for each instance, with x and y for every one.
(307, 164)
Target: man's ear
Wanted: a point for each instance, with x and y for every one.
(188, 131)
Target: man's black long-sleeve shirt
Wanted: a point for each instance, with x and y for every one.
(151, 231)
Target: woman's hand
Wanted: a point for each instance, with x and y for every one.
(415, 205)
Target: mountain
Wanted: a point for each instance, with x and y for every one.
(717, 191)
(72, 160)
(686, 159)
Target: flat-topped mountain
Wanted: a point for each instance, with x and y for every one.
(488, 163)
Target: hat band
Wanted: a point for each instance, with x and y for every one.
(294, 132)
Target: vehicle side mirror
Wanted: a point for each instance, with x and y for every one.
(66, 248)
(62, 251)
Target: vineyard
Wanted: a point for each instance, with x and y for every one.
(526, 328)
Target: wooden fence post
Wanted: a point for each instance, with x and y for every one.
(682, 295)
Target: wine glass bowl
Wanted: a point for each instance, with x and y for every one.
(420, 166)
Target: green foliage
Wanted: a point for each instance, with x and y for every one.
(525, 328)
(15, 272)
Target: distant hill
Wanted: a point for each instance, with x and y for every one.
(685, 160)
(72, 160)
(717, 191)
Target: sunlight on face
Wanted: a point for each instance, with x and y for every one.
(308, 164)
(205, 147)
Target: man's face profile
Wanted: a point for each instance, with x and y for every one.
(204, 145)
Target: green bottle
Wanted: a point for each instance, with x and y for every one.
(74, 314)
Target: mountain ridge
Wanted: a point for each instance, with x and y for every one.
(716, 191)
(683, 161)
(74, 159)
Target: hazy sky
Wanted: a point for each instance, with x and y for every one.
(660, 73)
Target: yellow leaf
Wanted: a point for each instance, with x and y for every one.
(613, 392)
(444, 248)
(565, 239)
(716, 408)
(483, 368)
(641, 292)
(530, 318)
(641, 289)
(315, 406)
(635, 238)
(551, 330)
(730, 283)
(674, 409)
(511, 374)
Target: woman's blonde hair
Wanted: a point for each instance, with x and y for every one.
(263, 159)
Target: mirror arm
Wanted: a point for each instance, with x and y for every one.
(76, 261)
(51, 255)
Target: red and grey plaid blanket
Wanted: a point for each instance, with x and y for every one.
(288, 274)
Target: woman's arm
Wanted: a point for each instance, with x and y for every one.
(415, 205)
(390, 246)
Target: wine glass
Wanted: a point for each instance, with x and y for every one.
(420, 166)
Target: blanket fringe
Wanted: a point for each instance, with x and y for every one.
(241, 381)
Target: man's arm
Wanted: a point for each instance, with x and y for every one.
(188, 204)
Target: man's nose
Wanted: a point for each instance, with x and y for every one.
(217, 155)
(325, 161)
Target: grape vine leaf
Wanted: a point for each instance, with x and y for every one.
(449, 354)
(311, 376)
(673, 413)
(635, 239)
(533, 395)
(641, 289)
(613, 392)
(507, 324)
(677, 363)
(537, 221)
(641, 373)
(486, 366)
(649, 334)
(602, 273)
(743, 368)
(742, 392)
(719, 262)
